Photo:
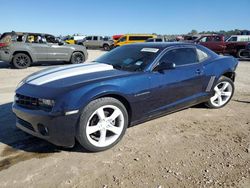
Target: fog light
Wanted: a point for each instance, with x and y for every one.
(43, 130)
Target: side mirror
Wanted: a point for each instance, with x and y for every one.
(165, 66)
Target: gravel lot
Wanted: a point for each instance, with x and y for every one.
(196, 147)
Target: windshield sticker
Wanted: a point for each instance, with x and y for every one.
(153, 50)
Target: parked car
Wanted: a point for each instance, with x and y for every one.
(78, 39)
(158, 39)
(238, 38)
(190, 38)
(98, 42)
(133, 38)
(23, 49)
(220, 45)
(245, 32)
(95, 102)
(116, 37)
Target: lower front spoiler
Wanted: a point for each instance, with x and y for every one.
(59, 130)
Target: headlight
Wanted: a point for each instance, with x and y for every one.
(46, 103)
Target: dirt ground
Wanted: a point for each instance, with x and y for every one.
(196, 147)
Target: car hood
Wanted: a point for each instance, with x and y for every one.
(68, 76)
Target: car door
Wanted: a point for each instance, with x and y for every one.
(95, 42)
(37, 46)
(180, 85)
(88, 42)
(56, 51)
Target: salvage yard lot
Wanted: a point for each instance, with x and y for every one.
(195, 147)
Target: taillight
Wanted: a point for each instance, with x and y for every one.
(3, 44)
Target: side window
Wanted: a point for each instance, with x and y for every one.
(30, 39)
(181, 56)
(232, 39)
(158, 40)
(217, 39)
(123, 39)
(95, 38)
(150, 40)
(50, 39)
(20, 38)
(201, 55)
(34, 38)
(89, 38)
(206, 39)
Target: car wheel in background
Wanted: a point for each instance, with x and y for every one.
(102, 124)
(21, 61)
(243, 54)
(223, 92)
(106, 47)
(77, 57)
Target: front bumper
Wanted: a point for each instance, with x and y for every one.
(57, 129)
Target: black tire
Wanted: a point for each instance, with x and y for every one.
(86, 114)
(106, 47)
(77, 58)
(21, 61)
(243, 54)
(222, 80)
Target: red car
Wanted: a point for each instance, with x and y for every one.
(116, 37)
(220, 45)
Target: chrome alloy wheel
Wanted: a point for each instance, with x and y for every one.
(105, 126)
(223, 93)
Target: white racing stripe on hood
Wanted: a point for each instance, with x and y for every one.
(69, 72)
(55, 69)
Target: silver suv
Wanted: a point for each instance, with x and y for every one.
(98, 42)
(23, 49)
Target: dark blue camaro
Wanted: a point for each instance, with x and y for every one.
(95, 102)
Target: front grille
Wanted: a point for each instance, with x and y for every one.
(25, 124)
(31, 103)
(26, 102)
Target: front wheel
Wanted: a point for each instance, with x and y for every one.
(102, 124)
(106, 47)
(223, 92)
(77, 57)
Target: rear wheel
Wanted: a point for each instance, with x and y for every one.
(102, 124)
(223, 92)
(77, 57)
(21, 61)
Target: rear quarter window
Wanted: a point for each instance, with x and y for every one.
(202, 56)
(6, 38)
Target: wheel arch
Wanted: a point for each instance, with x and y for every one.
(24, 52)
(120, 98)
(229, 74)
(85, 57)
(105, 44)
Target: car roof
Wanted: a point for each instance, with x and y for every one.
(23, 33)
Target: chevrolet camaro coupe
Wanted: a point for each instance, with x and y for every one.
(95, 102)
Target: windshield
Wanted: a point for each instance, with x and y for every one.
(130, 58)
